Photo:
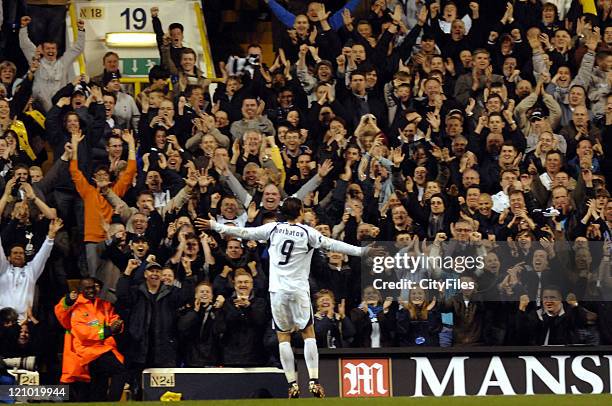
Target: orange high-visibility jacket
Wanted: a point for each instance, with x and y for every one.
(85, 338)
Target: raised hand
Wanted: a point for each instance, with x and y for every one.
(128, 137)
(523, 302)
(313, 35)
(422, 16)
(25, 20)
(166, 41)
(321, 13)
(387, 304)
(54, 226)
(252, 212)
(131, 265)
(342, 309)
(431, 304)
(77, 137)
(475, 9)
(29, 191)
(116, 326)
(203, 179)
(96, 93)
(347, 19)
(434, 9)
(397, 156)
(219, 302)
(162, 161)
(64, 101)
(203, 224)
(325, 168)
(593, 39)
(9, 186)
(186, 262)
(434, 121)
(191, 181)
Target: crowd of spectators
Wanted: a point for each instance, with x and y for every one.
(440, 127)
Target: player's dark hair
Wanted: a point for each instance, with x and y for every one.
(269, 216)
(291, 208)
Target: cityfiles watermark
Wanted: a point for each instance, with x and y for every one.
(425, 284)
(497, 271)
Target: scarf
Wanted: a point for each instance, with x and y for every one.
(373, 312)
(22, 135)
(37, 116)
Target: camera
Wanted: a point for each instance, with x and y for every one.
(15, 191)
(27, 363)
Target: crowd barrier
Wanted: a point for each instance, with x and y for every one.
(456, 371)
(213, 383)
(386, 372)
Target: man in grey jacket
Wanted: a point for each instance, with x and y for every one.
(54, 73)
(252, 119)
(595, 78)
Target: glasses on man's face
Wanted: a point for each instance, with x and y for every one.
(463, 230)
(551, 298)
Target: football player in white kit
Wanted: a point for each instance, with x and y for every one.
(291, 246)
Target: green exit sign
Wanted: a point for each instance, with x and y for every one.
(137, 66)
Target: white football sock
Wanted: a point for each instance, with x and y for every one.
(287, 360)
(311, 355)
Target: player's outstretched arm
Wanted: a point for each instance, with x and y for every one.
(250, 233)
(318, 240)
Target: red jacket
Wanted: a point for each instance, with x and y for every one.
(86, 336)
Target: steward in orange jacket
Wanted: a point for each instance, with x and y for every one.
(90, 351)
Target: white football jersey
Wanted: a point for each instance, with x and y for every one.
(290, 250)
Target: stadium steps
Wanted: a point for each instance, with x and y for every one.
(262, 34)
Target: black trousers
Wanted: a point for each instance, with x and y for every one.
(108, 377)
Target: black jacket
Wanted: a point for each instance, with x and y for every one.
(363, 327)
(351, 104)
(418, 332)
(333, 333)
(535, 325)
(199, 336)
(151, 321)
(57, 136)
(243, 332)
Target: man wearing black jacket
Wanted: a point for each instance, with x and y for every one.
(245, 318)
(150, 309)
(359, 103)
(199, 328)
(554, 323)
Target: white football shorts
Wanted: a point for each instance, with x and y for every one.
(291, 311)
